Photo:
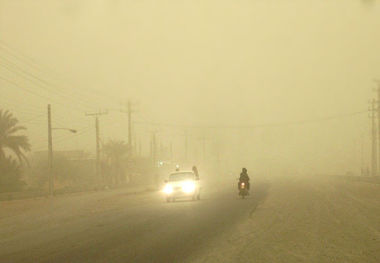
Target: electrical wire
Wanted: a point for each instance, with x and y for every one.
(35, 66)
(275, 124)
(38, 82)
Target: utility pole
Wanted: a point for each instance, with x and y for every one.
(151, 148)
(378, 121)
(97, 143)
(171, 151)
(186, 145)
(362, 169)
(140, 148)
(97, 165)
(129, 112)
(50, 153)
(154, 157)
(374, 138)
(135, 145)
(162, 151)
(203, 141)
(129, 106)
(50, 150)
(204, 148)
(218, 156)
(154, 149)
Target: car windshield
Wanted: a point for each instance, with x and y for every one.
(181, 176)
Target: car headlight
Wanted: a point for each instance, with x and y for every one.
(188, 187)
(168, 189)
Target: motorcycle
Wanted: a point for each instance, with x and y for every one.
(243, 191)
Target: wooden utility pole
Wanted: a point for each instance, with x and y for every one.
(129, 112)
(97, 165)
(374, 138)
(203, 141)
(140, 148)
(97, 143)
(154, 158)
(378, 123)
(218, 163)
(154, 149)
(130, 125)
(50, 150)
(135, 145)
(186, 145)
(50, 153)
(171, 151)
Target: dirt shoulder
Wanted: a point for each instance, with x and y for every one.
(18, 210)
(314, 219)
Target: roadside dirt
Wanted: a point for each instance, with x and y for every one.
(314, 219)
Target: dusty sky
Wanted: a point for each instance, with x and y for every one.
(204, 63)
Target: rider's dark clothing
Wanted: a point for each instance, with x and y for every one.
(195, 170)
(244, 178)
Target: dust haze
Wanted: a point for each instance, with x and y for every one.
(218, 63)
(138, 89)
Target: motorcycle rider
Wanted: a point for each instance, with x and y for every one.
(195, 170)
(244, 178)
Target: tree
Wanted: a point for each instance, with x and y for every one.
(68, 173)
(18, 144)
(117, 154)
(10, 169)
(10, 175)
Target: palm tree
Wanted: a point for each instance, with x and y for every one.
(18, 144)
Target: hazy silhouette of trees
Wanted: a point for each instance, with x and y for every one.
(68, 173)
(18, 144)
(117, 154)
(10, 175)
(10, 169)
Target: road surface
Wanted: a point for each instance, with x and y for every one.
(293, 219)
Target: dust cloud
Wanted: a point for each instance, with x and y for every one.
(125, 124)
(278, 86)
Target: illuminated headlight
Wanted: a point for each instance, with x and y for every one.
(168, 189)
(188, 187)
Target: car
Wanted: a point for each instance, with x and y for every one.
(182, 184)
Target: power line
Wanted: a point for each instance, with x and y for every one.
(18, 104)
(33, 119)
(60, 138)
(37, 81)
(18, 55)
(71, 136)
(97, 142)
(43, 97)
(274, 124)
(31, 62)
(27, 90)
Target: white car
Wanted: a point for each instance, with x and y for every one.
(182, 184)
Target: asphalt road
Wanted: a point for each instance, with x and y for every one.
(285, 220)
(115, 227)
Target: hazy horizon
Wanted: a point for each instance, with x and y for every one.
(220, 65)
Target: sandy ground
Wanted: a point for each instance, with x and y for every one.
(293, 219)
(306, 220)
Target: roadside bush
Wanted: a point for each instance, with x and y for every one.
(10, 175)
(67, 173)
